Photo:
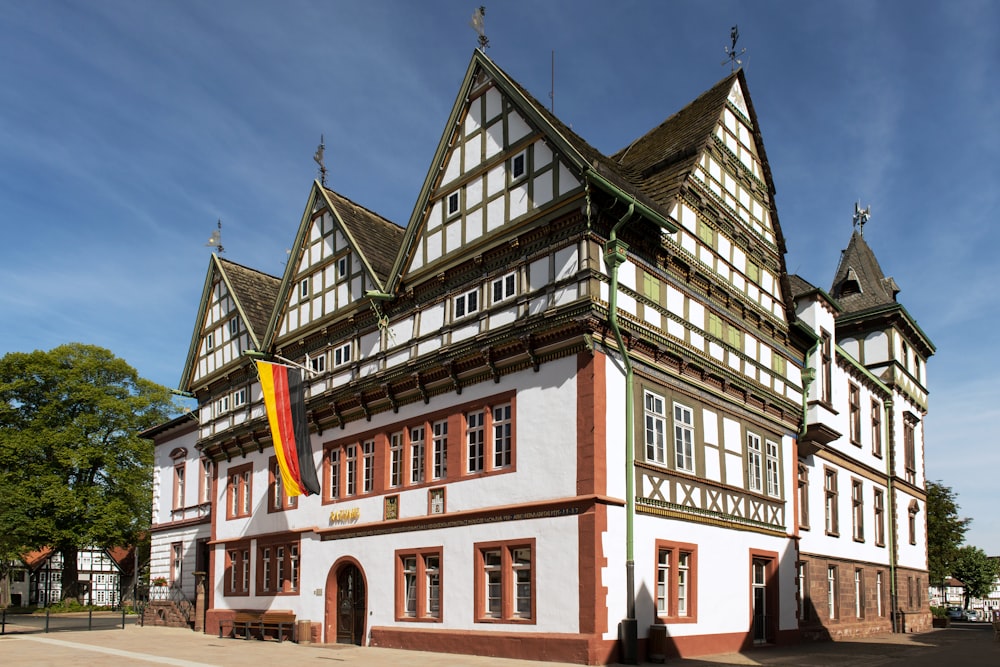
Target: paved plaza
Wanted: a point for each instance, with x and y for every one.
(963, 645)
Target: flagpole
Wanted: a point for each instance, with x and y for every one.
(254, 354)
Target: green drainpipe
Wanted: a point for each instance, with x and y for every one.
(614, 256)
(890, 448)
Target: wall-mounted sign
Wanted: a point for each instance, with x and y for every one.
(345, 515)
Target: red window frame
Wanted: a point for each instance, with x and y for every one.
(239, 491)
(508, 581)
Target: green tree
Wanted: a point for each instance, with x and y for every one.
(74, 472)
(976, 571)
(945, 531)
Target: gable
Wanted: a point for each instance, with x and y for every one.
(497, 170)
(223, 335)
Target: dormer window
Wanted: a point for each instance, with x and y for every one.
(851, 284)
(518, 165)
(453, 204)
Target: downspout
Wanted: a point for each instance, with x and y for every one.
(891, 499)
(614, 256)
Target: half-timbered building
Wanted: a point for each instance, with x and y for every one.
(554, 416)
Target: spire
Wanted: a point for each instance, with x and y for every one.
(859, 283)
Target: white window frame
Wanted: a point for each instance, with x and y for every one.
(416, 454)
(342, 355)
(773, 469)
(240, 397)
(475, 438)
(221, 406)
(504, 287)
(343, 267)
(396, 459)
(304, 288)
(234, 327)
(466, 304)
(317, 364)
(439, 449)
(655, 427)
(450, 210)
(683, 438)
(523, 157)
(755, 480)
(209, 341)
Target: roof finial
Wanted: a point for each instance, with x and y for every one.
(861, 216)
(216, 238)
(318, 157)
(478, 24)
(734, 55)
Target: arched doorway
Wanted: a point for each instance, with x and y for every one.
(346, 604)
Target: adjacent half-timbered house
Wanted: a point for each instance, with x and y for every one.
(554, 416)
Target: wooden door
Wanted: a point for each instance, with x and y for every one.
(351, 607)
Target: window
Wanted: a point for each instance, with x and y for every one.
(341, 355)
(734, 337)
(333, 473)
(715, 325)
(234, 327)
(240, 397)
(505, 582)
(368, 455)
(317, 364)
(176, 564)
(179, 486)
(209, 341)
(826, 367)
(754, 463)
(503, 448)
(278, 499)
(467, 303)
(854, 402)
(879, 608)
(858, 510)
(396, 459)
(909, 592)
(504, 288)
(802, 584)
(343, 266)
(453, 204)
(518, 166)
(706, 233)
(675, 582)
(830, 502)
(859, 594)
(651, 287)
(803, 497)
(239, 492)
(879, 504)
(683, 438)
(876, 428)
(771, 467)
(831, 592)
(439, 449)
(304, 289)
(418, 585)
(909, 448)
(655, 419)
(475, 434)
(351, 470)
(237, 575)
(417, 455)
(278, 566)
(222, 406)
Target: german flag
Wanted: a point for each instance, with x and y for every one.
(284, 398)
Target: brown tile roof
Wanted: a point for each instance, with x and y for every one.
(256, 293)
(378, 239)
(859, 283)
(799, 285)
(660, 160)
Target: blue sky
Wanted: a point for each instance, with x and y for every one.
(128, 127)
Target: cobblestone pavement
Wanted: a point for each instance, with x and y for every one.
(963, 645)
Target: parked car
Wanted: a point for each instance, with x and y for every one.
(973, 615)
(955, 613)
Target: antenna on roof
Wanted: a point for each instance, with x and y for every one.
(552, 90)
(861, 216)
(478, 24)
(734, 55)
(216, 238)
(318, 157)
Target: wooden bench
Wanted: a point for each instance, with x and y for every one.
(278, 621)
(243, 620)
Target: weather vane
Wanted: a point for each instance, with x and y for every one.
(734, 55)
(478, 24)
(861, 216)
(318, 157)
(216, 238)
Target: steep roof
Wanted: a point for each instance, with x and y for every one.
(660, 160)
(377, 238)
(859, 283)
(255, 291)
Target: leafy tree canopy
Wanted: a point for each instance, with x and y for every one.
(976, 570)
(945, 531)
(74, 471)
